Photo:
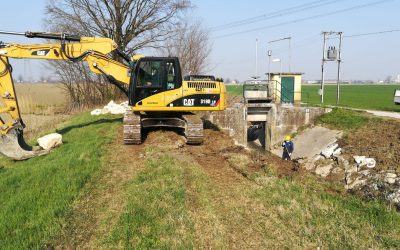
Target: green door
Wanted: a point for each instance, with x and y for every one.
(287, 89)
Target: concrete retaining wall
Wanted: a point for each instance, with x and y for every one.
(281, 120)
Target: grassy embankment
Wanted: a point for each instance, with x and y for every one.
(36, 194)
(375, 97)
(173, 201)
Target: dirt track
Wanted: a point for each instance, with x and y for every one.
(105, 197)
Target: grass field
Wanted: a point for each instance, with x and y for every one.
(375, 97)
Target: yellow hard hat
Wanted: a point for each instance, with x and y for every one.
(287, 138)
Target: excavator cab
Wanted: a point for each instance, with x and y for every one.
(154, 75)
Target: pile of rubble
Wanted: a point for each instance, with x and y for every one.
(111, 108)
(360, 174)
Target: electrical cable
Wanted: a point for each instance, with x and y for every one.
(279, 13)
(304, 19)
(372, 33)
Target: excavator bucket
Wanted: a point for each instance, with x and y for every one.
(14, 146)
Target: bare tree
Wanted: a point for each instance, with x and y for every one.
(191, 44)
(132, 24)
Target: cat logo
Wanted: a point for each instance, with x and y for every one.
(188, 102)
(40, 52)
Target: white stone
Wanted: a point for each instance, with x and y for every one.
(337, 152)
(111, 108)
(370, 162)
(359, 159)
(328, 151)
(324, 171)
(364, 161)
(96, 112)
(50, 141)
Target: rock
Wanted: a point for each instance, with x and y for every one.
(337, 170)
(370, 162)
(390, 178)
(342, 162)
(394, 197)
(351, 169)
(324, 171)
(359, 159)
(364, 161)
(328, 151)
(310, 165)
(337, 152)
(50, 141)
(364, 172)
(353, 180)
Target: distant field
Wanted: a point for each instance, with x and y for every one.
(376, 97)
(40, 98)
(236, 90)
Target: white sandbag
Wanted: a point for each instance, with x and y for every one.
(50, 141)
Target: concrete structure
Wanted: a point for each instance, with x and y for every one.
(280, 120)
(287, 87)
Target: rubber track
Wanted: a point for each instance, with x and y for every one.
(194, 129)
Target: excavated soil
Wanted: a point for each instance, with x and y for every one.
(379, 140)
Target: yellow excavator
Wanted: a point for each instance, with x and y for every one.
(157, 94)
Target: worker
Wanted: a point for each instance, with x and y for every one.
(288, 148)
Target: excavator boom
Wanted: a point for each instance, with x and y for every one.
(92, 50)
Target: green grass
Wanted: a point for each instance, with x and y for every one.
(236, 90)
(344, 119)
(36, 194)
(156, 215)
(312, 217)
(375, 97)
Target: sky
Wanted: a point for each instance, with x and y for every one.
(234, 46)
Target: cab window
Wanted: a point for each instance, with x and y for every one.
(149, 74)
(172, 82)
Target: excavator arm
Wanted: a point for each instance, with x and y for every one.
(92, 50)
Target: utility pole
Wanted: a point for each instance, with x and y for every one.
(332, 54)
(339, 60)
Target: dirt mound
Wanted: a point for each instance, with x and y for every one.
(379, 140)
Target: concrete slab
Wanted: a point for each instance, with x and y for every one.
(311, 141)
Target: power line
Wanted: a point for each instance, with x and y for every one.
(305, 18)
(279, 13)
(372, 33)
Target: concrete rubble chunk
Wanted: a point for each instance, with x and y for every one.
(359, 159)
(354, 180)
(329, 150)
(324, 171)
(337, 152)
(390, 178)
(364, 161)
(50, 141)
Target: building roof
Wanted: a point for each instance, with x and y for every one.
(286, 73)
